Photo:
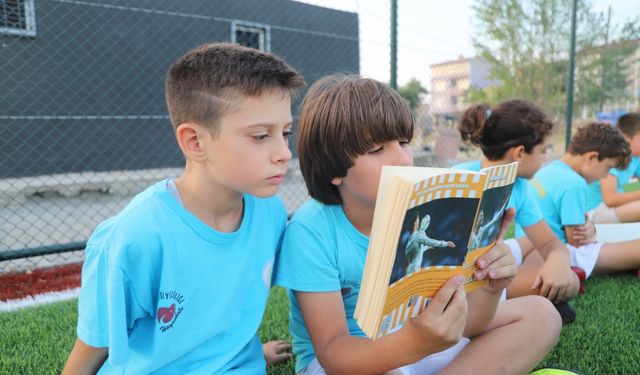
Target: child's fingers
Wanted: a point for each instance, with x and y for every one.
(552, 294)
(500, 251)
(441, 300)
(537, 282)
(545, 289)
(456, 310)
(282, 347)
(505, 272)
(283, 356)
(507, 219)
(501, 269)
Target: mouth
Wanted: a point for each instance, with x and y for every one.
(276, 179)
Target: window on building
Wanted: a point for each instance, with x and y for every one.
(251, 35)
(453, 83)
(17, 17)
(454, 100)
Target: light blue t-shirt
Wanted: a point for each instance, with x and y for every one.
(522, 197)
(168, 294)
(594, 194)
(321, 252)
(562, 196)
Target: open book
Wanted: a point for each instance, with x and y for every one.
(429, 225)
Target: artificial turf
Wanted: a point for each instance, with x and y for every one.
(604, 339)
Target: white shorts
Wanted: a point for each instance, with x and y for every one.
(603, 214)
(428, 365)
(515, 250)
(585, 256)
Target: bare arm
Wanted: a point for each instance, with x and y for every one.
(568, 230)
(545, 240)
(555, 279)
(84, 359)
(497, 266)
(435, 329)
(610, 194)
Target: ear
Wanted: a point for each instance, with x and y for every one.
(591, 156)
(516, 153)
(337, 181)
(189, 137)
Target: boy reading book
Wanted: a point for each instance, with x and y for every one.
(349, 128)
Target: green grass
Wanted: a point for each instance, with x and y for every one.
(604, 339)
(632, 186)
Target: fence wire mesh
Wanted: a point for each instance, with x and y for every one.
(84, 125)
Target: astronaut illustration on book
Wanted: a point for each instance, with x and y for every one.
(483, 230)
(419, 243)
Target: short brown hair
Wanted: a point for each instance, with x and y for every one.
(509, 124)
(201, 85)
(342, 117)
(629, 124)
(603, 138)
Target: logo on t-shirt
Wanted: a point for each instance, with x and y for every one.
(169, 309)
(266, 273)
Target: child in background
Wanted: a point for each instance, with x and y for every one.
(518, 130)
(349, 128)
(561, 188)
(178, 281)
(606, 200)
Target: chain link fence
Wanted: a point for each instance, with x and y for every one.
(83, 122)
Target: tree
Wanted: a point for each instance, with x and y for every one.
(526, 45)
(602, 69)
(412, 92)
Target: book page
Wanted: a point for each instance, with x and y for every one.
(432, 245)
(497, 191)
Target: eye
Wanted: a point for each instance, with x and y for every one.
(286, 134)
(259, 137)
(376, 149)
(404, 142)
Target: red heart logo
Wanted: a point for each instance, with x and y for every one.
(166, 313)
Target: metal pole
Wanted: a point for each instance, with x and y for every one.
(41, 250)
(570, 73)
(393, 81)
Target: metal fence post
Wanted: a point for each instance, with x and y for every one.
(570, 73)
(393, 81)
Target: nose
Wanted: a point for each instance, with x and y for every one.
(401, 156)
(281, 153)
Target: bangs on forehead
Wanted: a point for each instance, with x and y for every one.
(384, 118)
(385, 131)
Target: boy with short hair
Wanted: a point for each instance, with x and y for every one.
(349, 128)
(561, 188)
(178, 281)
(606, 200)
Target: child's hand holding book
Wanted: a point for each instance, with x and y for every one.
(441, 324)
(498, 264)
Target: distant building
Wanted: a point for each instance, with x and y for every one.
(450, 81)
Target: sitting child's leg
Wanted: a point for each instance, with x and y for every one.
(528, 267)
(523, 331)
(618, 256)
(629, 212)
(602, 214)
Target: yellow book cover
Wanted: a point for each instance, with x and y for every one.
(429, 224)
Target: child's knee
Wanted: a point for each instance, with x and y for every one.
(543, 317)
